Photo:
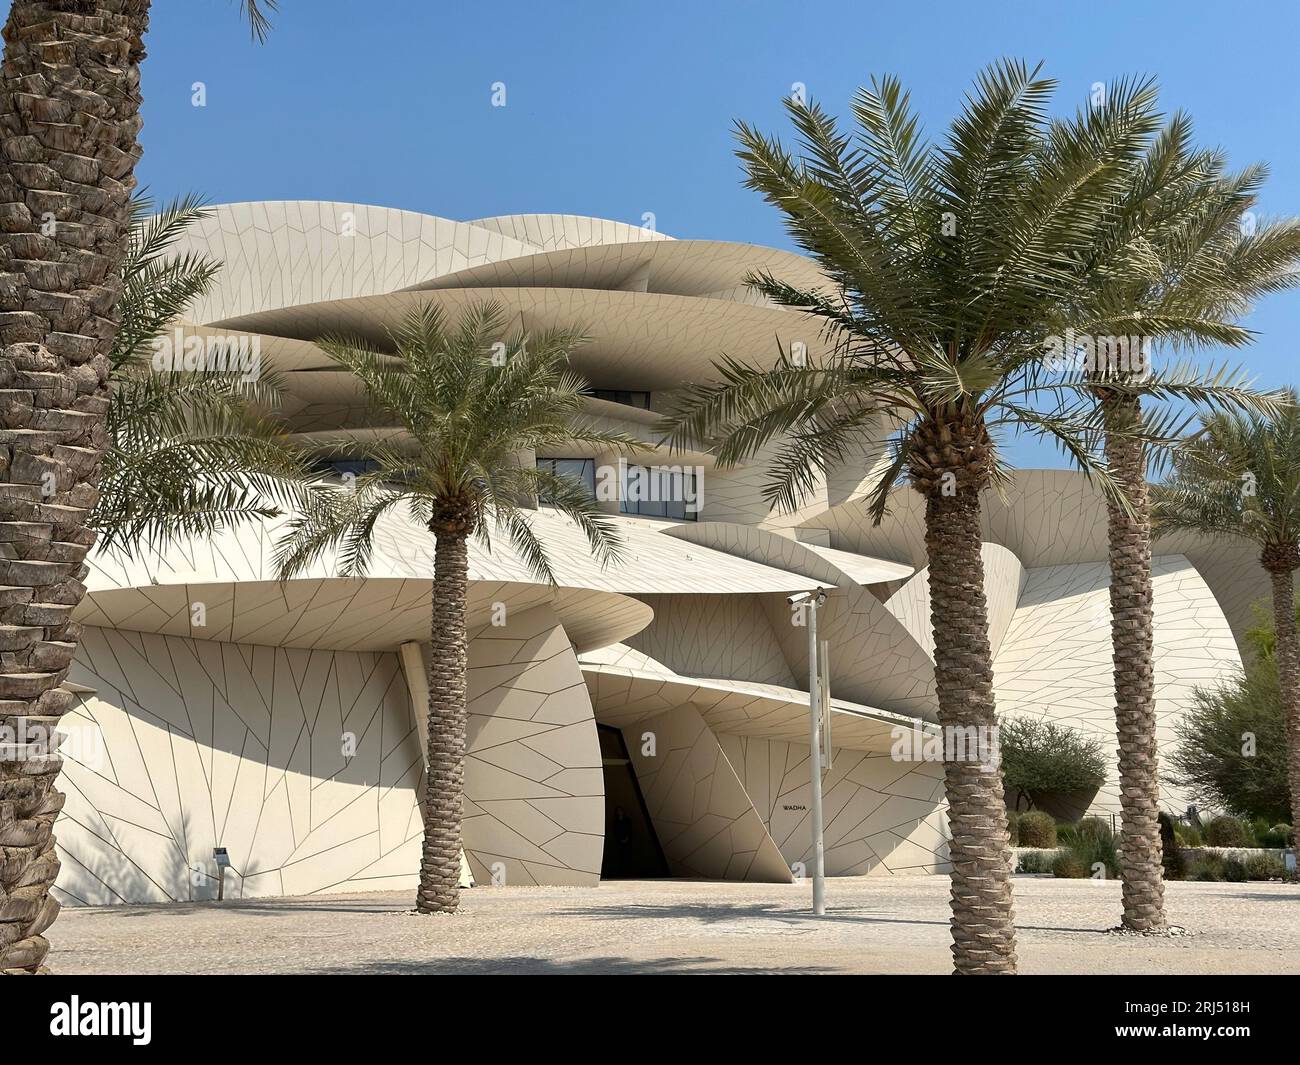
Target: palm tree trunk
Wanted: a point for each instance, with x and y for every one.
(983, 928)
(439, 890)
(69, 125)
(1133, 648)
(1287, 654)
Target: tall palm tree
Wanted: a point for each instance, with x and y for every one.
(464, 413)
(69, 134)
(1175, 264)
(1239, 476)
(194, 451)
(951, 267)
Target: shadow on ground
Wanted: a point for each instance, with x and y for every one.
(707, 914)
(576, 967)
(712, 914)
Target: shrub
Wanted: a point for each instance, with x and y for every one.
(1279, 836)
(1085, 846)
(1188, 835)
(1035, 862)
(1264, 867)
(1205, 867)
(1013, 827)
(1225, 831)
(1041, 757)
(1068, 866)
(1234, 871)
(1207, 759)
(1095, 828)
(1037, 829)
(1094, 845)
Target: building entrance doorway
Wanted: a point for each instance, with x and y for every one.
(632, 850)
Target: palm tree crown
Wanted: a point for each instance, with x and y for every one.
(188, 451)
(952, 269)
(1239, 476)
(466, 401)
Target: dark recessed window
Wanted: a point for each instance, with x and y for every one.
(338, 466)
(628, 399)
(661, 492)
(581, 470)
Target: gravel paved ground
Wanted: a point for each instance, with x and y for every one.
(875, 925)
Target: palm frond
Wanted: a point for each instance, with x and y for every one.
(257, 12)
(469, 398)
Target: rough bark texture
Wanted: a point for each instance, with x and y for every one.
(1131, 609)
(439, 890)
(1281, 566)
(69, 125)
(983, 926)
(949, 465)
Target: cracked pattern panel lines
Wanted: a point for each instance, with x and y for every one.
(705, 821)
(534, 785)
(1056, 659)
(880, 816)
(302, 764)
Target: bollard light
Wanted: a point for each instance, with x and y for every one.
(222, 859)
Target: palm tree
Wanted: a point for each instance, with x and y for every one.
(952, 268)
(69, 130)
(1239, 476)
(189, 452)
(1177, 264)
(465, 413)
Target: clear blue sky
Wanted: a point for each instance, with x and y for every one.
(616, 108)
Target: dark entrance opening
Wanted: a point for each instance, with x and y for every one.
(632, 850)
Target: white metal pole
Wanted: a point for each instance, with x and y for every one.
(815, 756)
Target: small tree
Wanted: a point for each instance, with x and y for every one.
(1231, 751)
(1039, 757)
(469, 399)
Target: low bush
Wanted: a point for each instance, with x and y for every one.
(1264, 867)
(1036, 829)
(1226, 831)
(1013, 827)
(1278, 837)
(1095, 828)
(1205, 867)
(1094, 846)
(1234, 871)
(1035, 862)
(1067, 865)
(1188, 835)
(1088, 848)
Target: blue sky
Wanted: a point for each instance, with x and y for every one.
(620, 108)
